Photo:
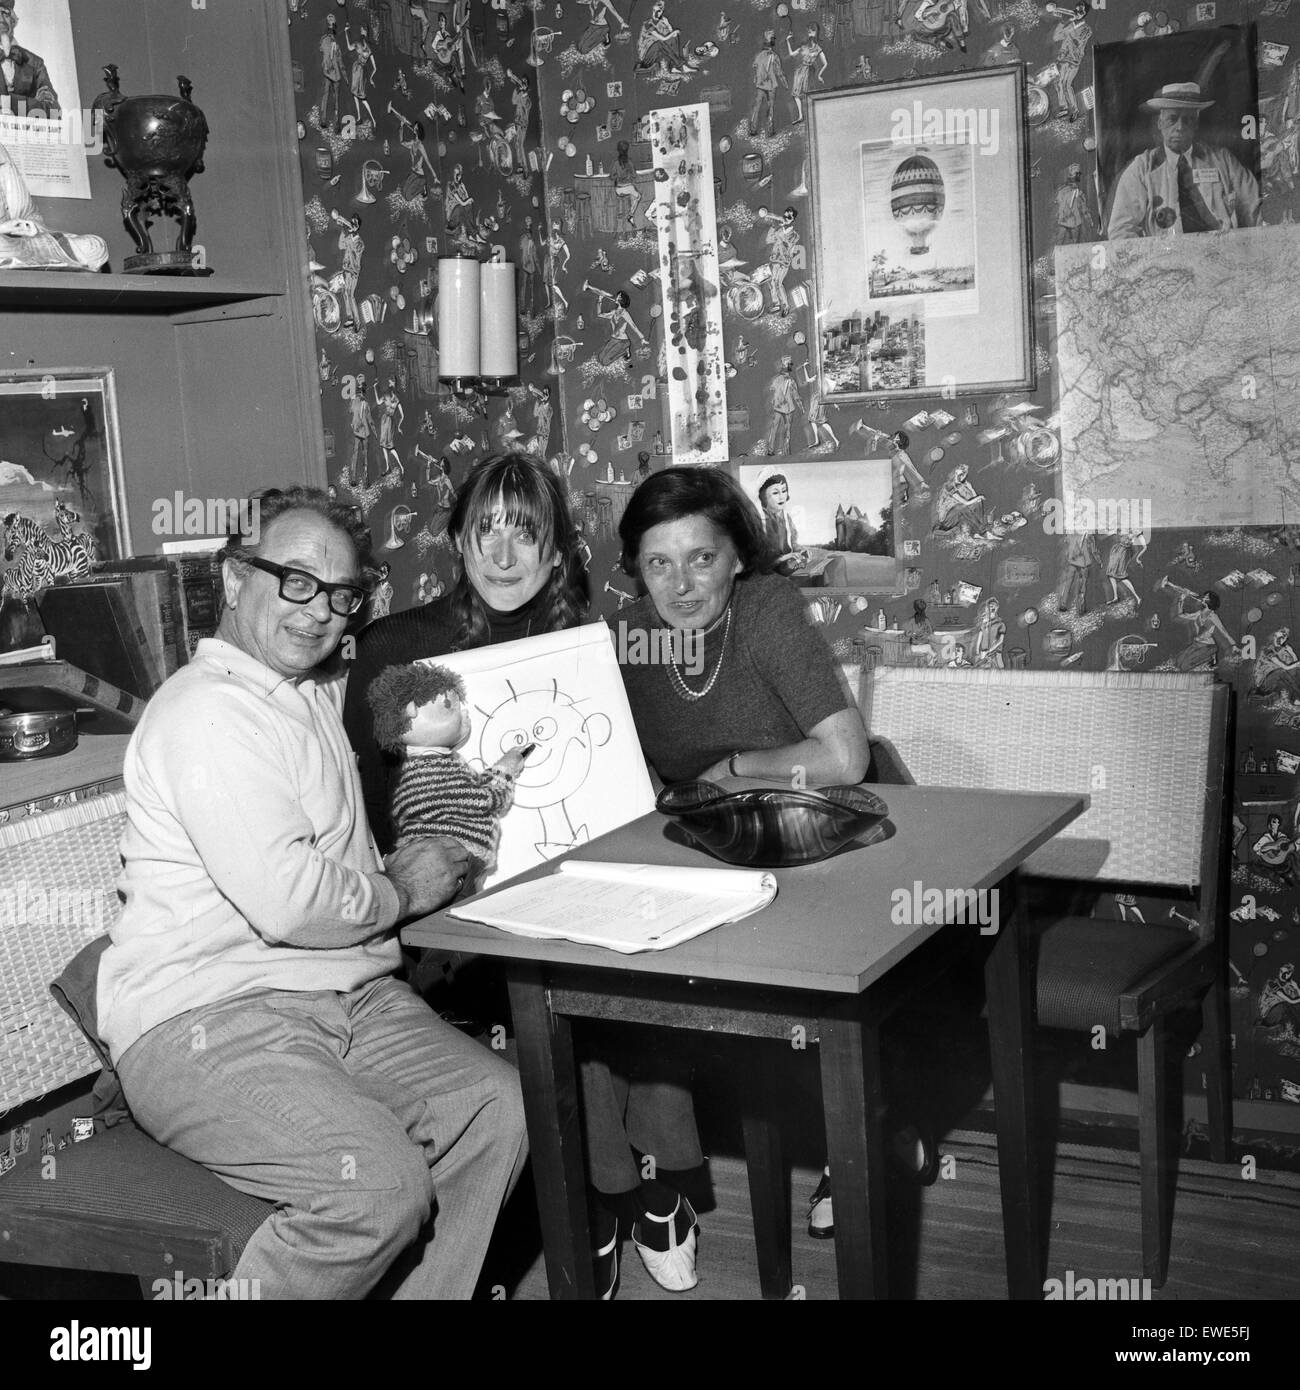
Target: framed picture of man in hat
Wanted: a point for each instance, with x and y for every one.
(1172, 157)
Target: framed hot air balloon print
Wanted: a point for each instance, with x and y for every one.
(921, 237)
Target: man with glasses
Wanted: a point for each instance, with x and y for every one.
(248, 998)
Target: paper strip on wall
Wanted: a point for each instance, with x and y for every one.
(688, 282)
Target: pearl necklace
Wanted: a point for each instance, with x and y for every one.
(678, 682)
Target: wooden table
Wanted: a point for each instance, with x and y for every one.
(826, 957)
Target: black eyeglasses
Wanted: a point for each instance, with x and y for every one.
(297, 586)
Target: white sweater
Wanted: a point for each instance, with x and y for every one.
(248, 860)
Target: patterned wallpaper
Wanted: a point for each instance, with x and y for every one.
(419, 136)
(568, 198)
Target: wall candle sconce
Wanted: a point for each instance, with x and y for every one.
(478, 334)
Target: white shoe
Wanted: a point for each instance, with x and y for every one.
(674, 1268)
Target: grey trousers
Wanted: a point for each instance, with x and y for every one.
(361, 1114)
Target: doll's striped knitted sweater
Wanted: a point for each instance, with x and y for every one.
(438, 793)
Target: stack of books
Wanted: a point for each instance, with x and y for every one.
(135, 622)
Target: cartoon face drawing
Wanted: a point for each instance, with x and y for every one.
(565, 736)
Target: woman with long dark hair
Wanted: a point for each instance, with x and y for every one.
(520, 576)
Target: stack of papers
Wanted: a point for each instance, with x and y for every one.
(624, 907)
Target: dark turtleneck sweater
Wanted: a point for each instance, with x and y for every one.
(413, 635)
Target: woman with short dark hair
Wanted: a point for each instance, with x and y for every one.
(768, 701)
(753, 692)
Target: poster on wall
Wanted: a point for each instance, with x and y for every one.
(1177, 134)
(696, 398)
(1209, 436)
(921, 233)
(933, 256)
(829, 524)
(563, 693)
(43, 123)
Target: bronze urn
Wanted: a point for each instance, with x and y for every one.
(156, 142)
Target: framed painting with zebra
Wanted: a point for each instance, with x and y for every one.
(61, 492)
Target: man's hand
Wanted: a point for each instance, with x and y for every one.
(427, 873)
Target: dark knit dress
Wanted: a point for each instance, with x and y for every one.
(777, 682)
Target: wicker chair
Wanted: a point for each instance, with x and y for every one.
(1151, 749)
(118, 1202)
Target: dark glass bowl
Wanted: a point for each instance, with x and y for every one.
(770, 827)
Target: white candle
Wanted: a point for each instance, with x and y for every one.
(500, 343)
(458, 318)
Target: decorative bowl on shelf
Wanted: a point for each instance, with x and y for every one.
(771, 827)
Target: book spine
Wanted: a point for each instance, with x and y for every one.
(154, 599)
(181, 611)
(69, 685)
(166, 597)
(98, 692)
(135, 642)
(198, 579)
(151, 594)
(162, 572)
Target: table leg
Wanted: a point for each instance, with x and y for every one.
(550, 1086)
(769, 1187)
(1158, 1168)
(854, 1102)
(1009, 982)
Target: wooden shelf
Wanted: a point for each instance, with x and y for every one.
(216, 375)
(123, 294)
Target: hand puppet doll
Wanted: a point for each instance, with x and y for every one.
(420, 713)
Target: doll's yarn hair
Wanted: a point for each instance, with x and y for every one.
(395, 687)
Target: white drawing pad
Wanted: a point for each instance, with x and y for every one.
(563, 692)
